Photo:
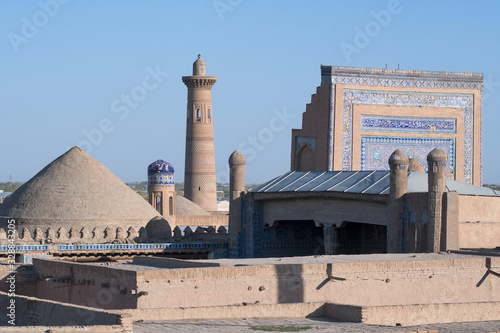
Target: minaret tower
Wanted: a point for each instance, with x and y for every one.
(199, 173)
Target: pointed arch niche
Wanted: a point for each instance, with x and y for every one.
(305, 158)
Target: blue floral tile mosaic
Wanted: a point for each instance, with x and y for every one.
(334, 75)
(408, 124)
(376, 150)
(464, 101)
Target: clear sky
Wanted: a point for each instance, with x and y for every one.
(67, 67)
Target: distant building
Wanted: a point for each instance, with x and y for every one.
(4, 195)
(359, 116)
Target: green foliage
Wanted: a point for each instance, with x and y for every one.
(138, 186)
(143, 194)
(223, 191)
(10, 187)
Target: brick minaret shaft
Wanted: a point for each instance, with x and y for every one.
(199, 174)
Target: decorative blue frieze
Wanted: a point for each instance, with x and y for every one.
(135, 247)
(425, 79)
(161, 179)
(24, 248)
(408, 124)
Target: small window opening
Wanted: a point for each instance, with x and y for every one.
(158, 205)
(198, 114)
(209, 114)
(170, 206)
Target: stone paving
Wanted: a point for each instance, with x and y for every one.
(316, 325)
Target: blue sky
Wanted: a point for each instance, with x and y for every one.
(65, 73)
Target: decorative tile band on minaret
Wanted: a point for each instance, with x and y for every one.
(199, 174)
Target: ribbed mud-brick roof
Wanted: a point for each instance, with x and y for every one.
(75, 190)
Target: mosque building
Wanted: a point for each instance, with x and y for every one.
(359, 116)
(342, 195)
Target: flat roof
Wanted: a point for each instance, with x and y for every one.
(401, 78)
(299, 260)
(417, 182)
(356, 71)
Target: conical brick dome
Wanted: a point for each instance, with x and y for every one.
(75, 191)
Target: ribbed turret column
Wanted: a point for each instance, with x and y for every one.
(237, 164)
(436, 161)
(199, 174)
(398, 163)
(236, 186)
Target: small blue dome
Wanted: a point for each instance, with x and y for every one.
(160, 166)
(160, 173)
